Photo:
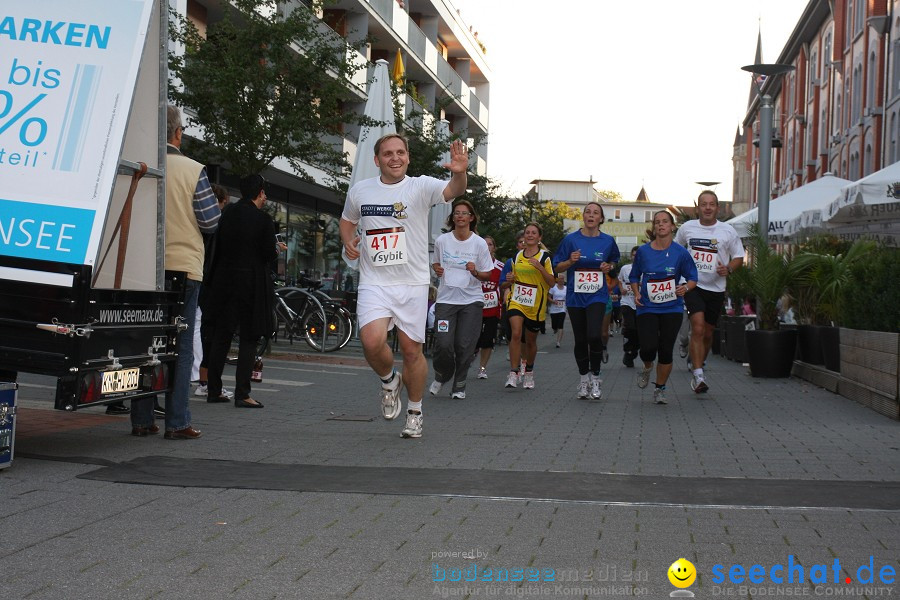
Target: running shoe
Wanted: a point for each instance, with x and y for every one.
(458, 395)
(628, 361)
(583, 390)
(390, 399)
(682, 350)
(435, 387)
(596, 392)
(513, 379)
(659, 396)
(482, 373)
(413, 427)
(698, 384)
(644, 376)
(528, 381)
(202, 391)
(605, 355)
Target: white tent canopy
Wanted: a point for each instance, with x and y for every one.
(875, 197)
(814, 195)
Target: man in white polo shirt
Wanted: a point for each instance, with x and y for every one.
(385, 225)
(717, 251)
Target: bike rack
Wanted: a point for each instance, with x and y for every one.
(321, 308)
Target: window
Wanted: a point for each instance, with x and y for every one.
(813, 70)
(618, 214)
(855, 111)
(836, 122)
(871, 76)
(895, 60)
(869, 160)
(893, 134)
(860, 15)
(823, 133)
(826, 55)
(648, 216)
(848, 23)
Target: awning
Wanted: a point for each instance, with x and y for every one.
(815, 195)
(875, 197)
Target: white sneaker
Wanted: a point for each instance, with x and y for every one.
(226, 394)
(682, 351)
(435, 388)
(698, 384)
(513, 379)
(596, 392)
(644, 376)
(659, 396)
(390, 398)
(458, 395)
(528, 380)
(482, 373)
(583, 390)
(413, 427)
(605, 357)
(203, 391)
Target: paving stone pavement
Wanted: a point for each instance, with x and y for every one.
(62, 536)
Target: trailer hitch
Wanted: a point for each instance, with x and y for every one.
(63, 329)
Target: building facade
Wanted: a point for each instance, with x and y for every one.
(444, 66)
(838, 111)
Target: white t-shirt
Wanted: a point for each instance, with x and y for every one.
(709, 246)
(557, 300)
(458, 286)
(624, 285)
(393, 224)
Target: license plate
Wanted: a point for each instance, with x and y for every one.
(122, 380)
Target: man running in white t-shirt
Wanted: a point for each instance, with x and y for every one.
(390, 213)
(717, 251)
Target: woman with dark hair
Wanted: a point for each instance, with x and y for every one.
(588, 255)
(463, 262)
(531, 277)
(658, 267)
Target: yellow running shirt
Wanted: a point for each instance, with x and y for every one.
(529, 293)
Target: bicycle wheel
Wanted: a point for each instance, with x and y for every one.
(337, 333)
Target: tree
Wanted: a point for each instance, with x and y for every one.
(265, 82)
(610, 195)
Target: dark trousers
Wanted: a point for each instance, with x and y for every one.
(238, 315)
(658, 333)
(631, 342)
(587, 328)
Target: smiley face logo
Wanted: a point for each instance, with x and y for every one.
(682, 573)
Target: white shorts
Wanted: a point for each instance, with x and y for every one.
(405, 305)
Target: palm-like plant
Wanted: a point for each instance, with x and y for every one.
(817, 281)
(768, 278)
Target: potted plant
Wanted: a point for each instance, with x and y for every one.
(732, 326)
(770, 350)
(819, 279)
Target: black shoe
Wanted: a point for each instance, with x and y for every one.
(159, 411)
(628, 361)
(245, 404)
(117, 408)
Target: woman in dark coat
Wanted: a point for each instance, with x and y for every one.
(241, 293)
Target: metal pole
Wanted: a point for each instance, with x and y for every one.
(764, 183)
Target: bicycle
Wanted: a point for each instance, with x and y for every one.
(302, 311)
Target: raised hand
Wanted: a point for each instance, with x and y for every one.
(459, 158)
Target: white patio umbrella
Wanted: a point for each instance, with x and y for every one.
(379, 108)
(814, 195)
(875, 197)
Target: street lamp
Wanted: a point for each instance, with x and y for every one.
(762, 72)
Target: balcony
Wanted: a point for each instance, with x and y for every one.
(425, 51)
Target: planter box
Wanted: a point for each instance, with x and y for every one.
(870, 369)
